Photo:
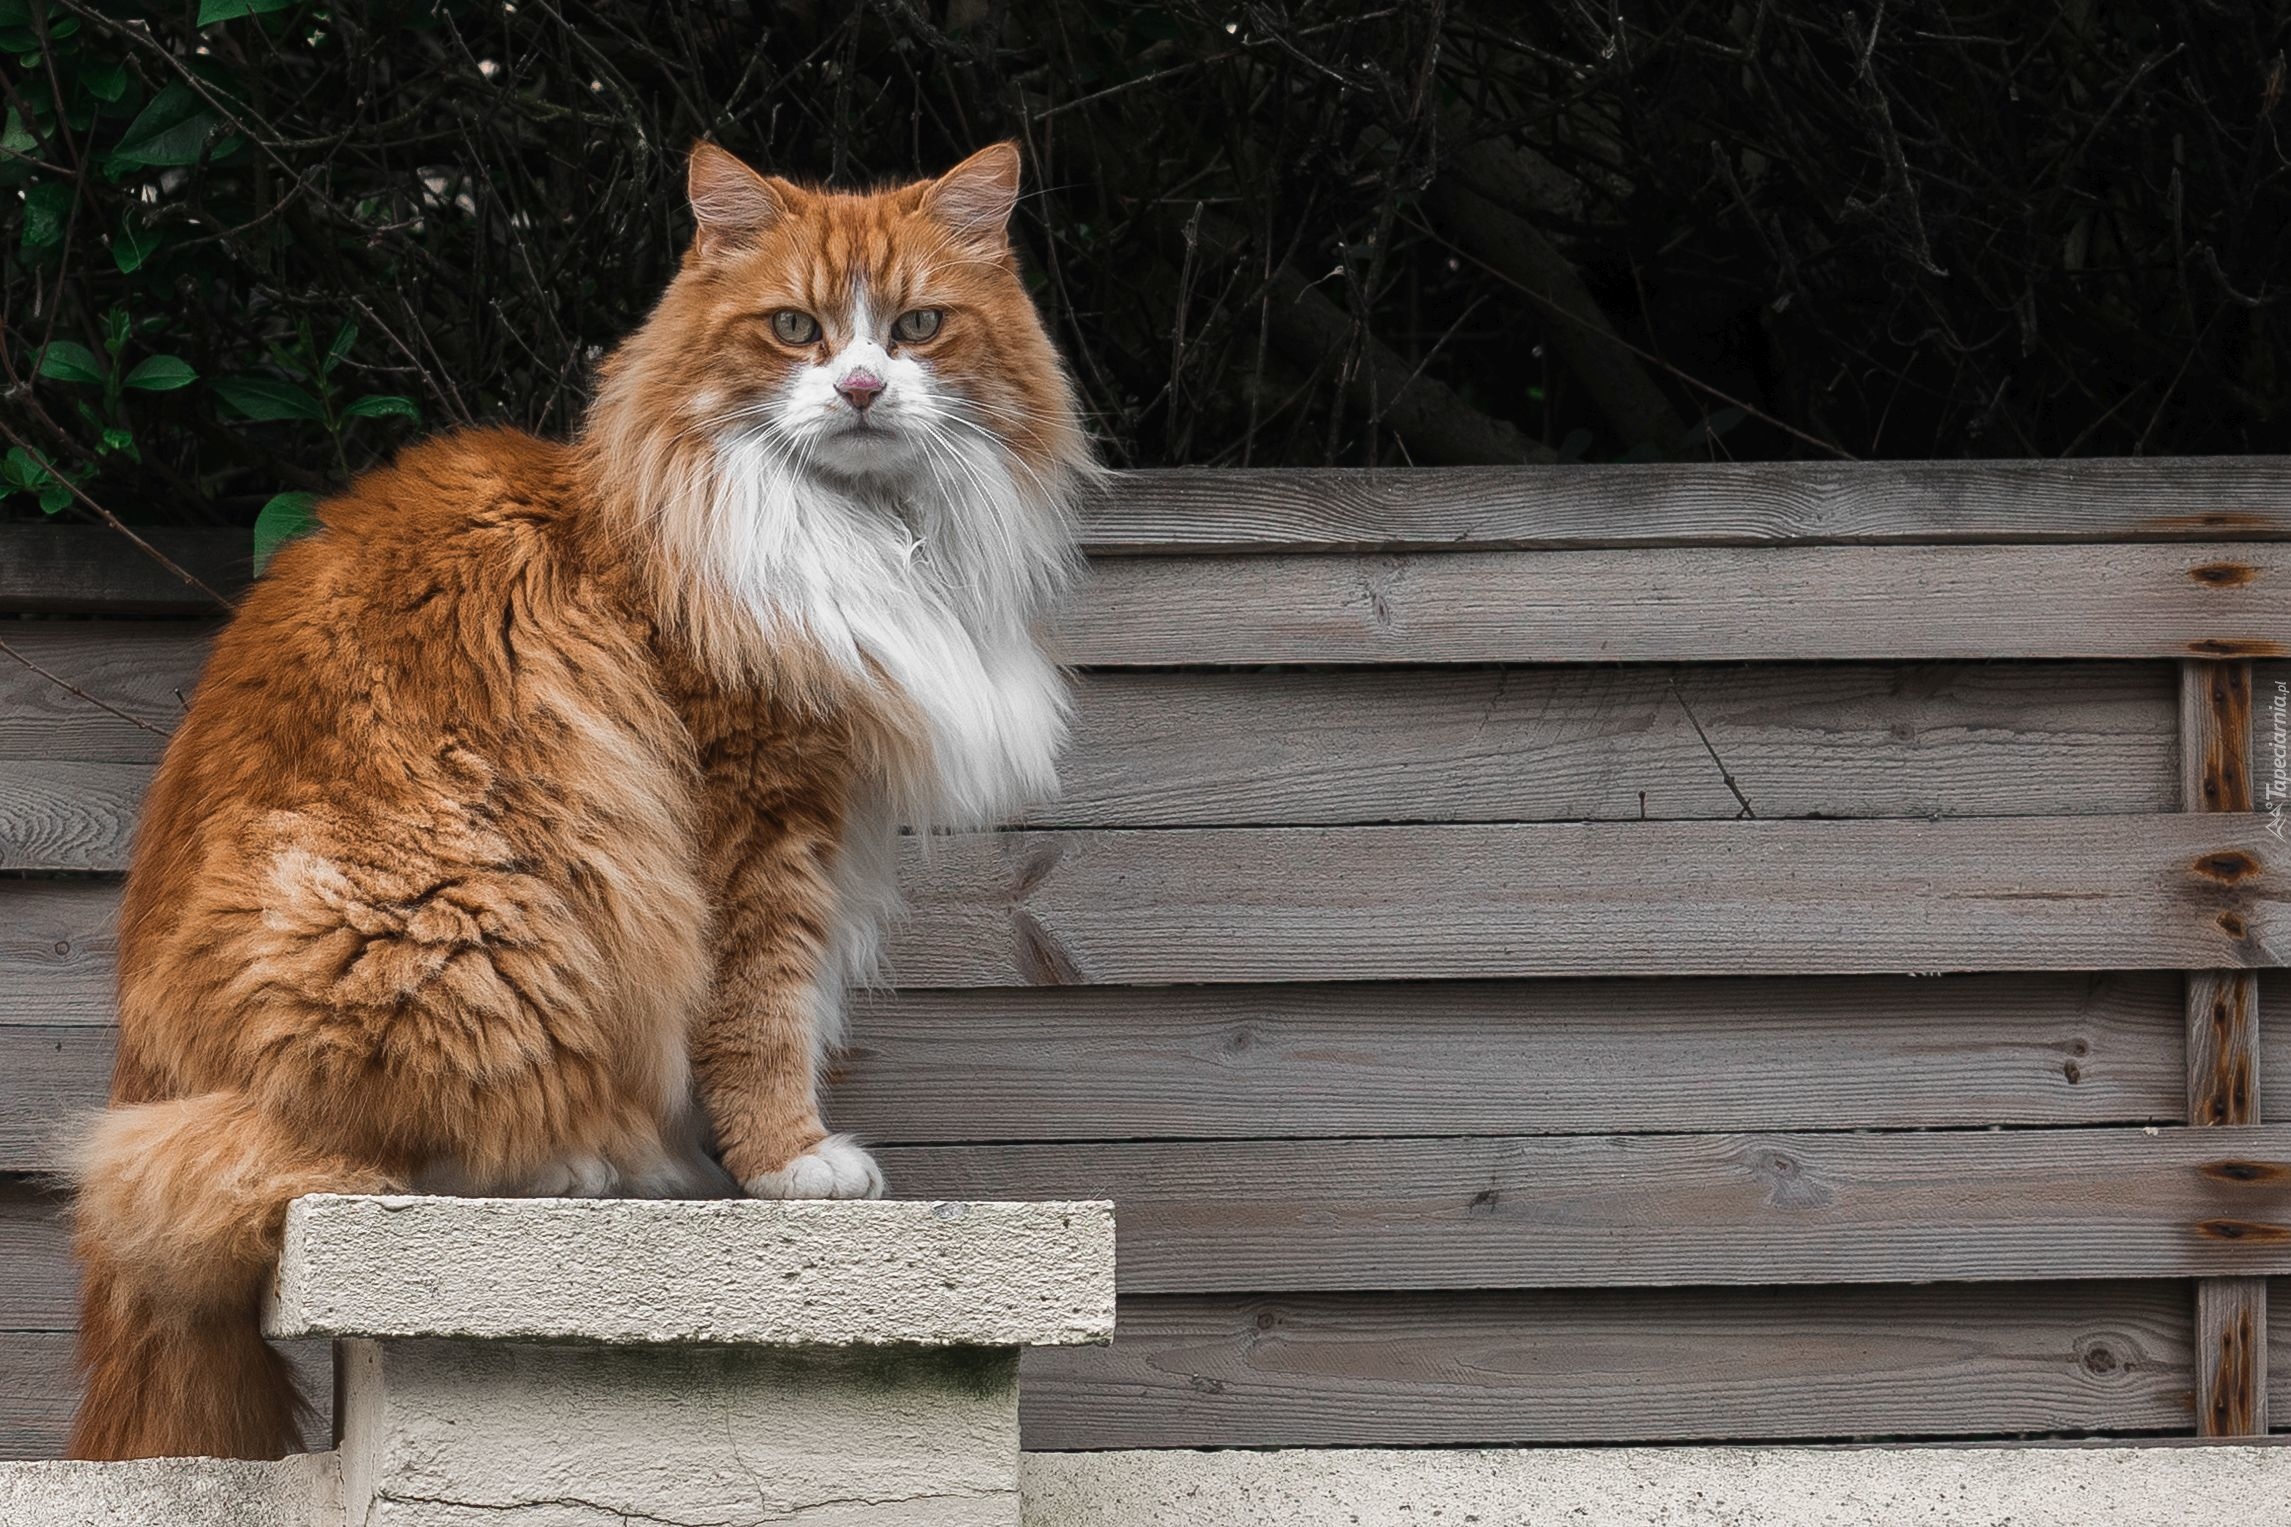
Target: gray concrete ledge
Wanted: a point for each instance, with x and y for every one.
(2220, 1486)
(173, 1492)
(733, 1271)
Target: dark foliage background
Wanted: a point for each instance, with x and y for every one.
(251, 245)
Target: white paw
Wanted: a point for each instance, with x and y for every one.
(834, 1168)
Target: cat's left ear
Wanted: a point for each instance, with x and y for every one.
(975, 197)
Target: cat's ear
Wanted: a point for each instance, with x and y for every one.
(975, 197)
(731, 203)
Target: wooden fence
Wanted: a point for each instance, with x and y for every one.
(1581, 954)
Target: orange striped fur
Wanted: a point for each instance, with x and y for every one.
(532, 817)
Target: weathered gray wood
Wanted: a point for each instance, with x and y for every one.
(38, 1390)
(59, 950)
(89, 568)
(1080, 1063)
(2118, 499)
(68, 816)
(50, 1075)
(1633, 898)
(1615, 1366)
(145, 668)
(2223, 1057)
(1665, 1365)
(38, 1283)
(1586, 1211)
(1683, 605)
(1157, 748)
(2231, 1357)
(1638, 898)
(1165, 749)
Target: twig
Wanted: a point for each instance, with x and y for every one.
(1723, 773)
(68, 687)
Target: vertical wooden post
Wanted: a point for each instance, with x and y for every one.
(2223, 1054)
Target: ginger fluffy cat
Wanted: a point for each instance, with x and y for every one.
(532, 817)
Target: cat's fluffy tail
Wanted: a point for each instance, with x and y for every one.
(182, 1205)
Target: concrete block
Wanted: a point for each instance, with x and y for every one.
(734, 1271)
(469, 1434)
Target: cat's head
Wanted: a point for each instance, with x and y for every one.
(878, 338)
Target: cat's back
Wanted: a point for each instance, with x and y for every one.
(440, 685)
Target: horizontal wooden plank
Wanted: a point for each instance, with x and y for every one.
(38, 1390)
(1619, 1366)
(1638, 1365)
(1157, 748)
(1684, 605)
(1687, 503)
(1376, 903)
(1170, 749)
(1230, 1062)
(69, 568)
(1638, 898)
(1642, 1210)
(1186, 749)
(85, 567)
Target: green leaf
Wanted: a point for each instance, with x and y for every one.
(46, 206)
(286, 516)
(54, 497)
(105, 79)
(115, 327)
(64, 361)
(19, 471)
(14, 137)
(171, 130)
(212, 11)
(161, 373)
(344, 338)
(122, 441)
(266, 398)
(383, 405)
(131, 246)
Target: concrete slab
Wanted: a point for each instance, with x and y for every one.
(737, 1271)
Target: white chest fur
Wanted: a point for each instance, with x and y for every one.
(933, 590)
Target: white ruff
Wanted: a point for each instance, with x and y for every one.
(932, 586)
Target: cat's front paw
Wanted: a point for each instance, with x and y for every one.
(834, 1168)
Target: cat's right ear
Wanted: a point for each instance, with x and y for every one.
(731, 204)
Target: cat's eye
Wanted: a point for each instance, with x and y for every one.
(915, 326)
(793, 328)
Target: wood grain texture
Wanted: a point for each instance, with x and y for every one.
(1163, 749)
(59, 951)
(2223, 1056)
(39, 1284)
(1684, 605)
(1618, 1366)
(68, 816)
(1090, 1063)
(1647, 1210)
(1764, 503)
(1658, 1365)
(92, 568)
(1377, 903)
(1638, 898)
(1156, 748)
(38, 1390)
(2231, 1357)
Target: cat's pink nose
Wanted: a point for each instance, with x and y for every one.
(860, 388)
